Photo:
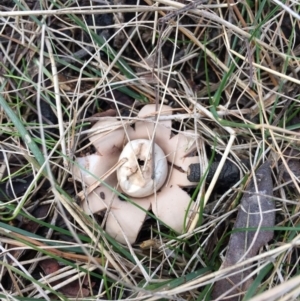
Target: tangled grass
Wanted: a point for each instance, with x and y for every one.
(229, 69)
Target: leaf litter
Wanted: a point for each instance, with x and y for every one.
(242, 56)
(256, 212)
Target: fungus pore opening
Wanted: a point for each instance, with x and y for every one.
(136, 174)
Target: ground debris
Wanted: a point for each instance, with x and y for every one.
(293, 164)
(256, 212)
(76, 288)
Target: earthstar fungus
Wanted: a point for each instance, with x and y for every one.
(159, 190)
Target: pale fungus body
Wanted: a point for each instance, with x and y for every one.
(136, 176)
(133, 176)
(124, 219)
(90, 170)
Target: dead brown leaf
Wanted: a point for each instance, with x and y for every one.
(256, 211)
(73, 289)
(49, 266)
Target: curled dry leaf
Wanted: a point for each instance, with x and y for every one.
(257, 211)
(49, 266)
